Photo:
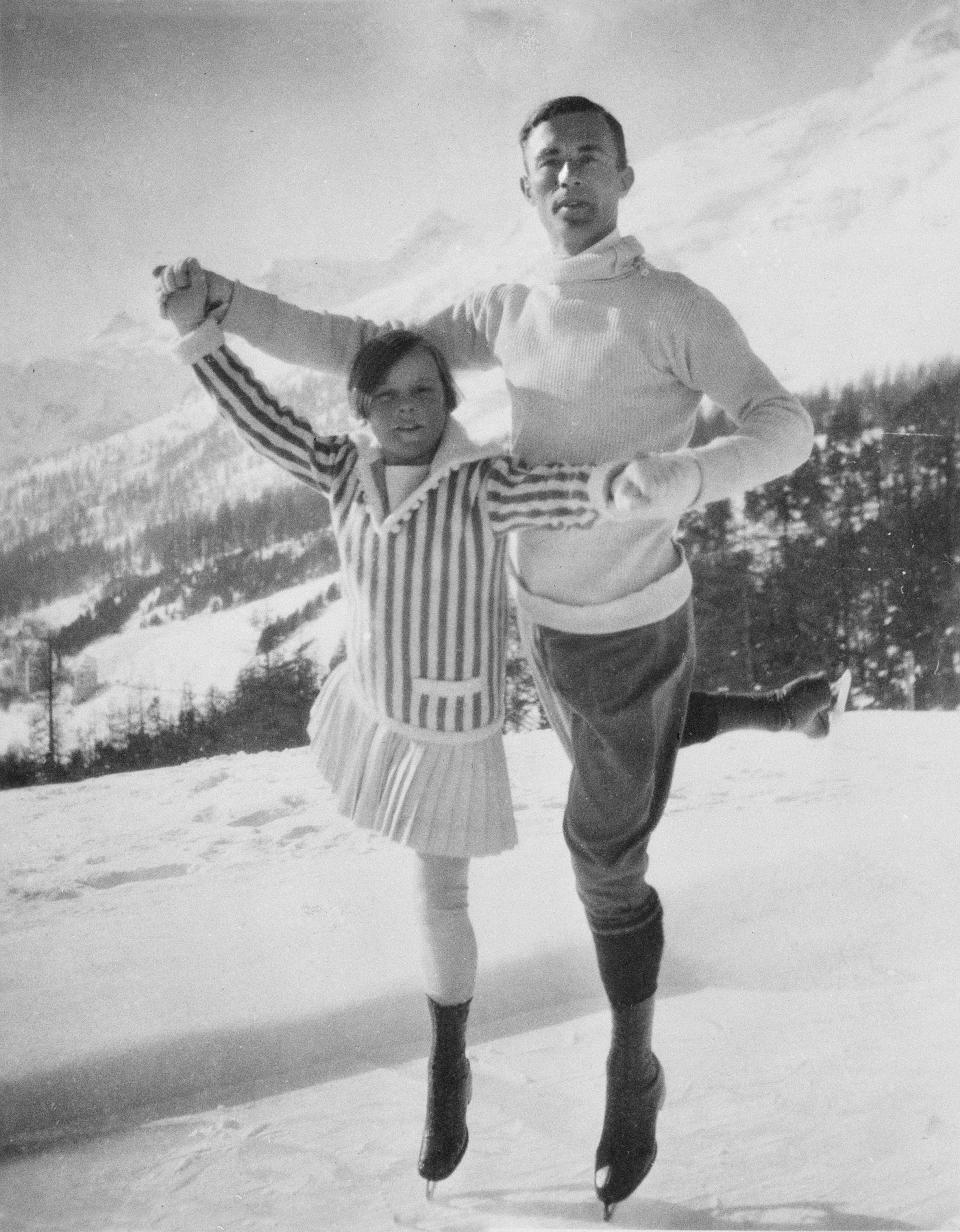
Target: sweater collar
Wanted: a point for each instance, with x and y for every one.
(614, 256)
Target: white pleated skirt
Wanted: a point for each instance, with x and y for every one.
(441, 798)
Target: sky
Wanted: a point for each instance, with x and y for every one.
(135, 131)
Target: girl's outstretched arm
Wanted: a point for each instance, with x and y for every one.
(553, 495)
(274, 430)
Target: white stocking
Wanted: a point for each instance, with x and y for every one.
(448, 945)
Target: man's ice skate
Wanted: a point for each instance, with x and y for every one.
(804, 705)
(840, 693)
(628, 1146)
(809, 703)
(636, 1091)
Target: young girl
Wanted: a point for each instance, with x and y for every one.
(408, 730)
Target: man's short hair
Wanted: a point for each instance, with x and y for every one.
(568, 105)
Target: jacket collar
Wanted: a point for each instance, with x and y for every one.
(466, 438)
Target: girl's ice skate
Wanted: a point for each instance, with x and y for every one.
(449, 1087)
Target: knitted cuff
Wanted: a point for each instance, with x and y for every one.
(629, 961)
(204, 340)
(601, 477)
(692, 455)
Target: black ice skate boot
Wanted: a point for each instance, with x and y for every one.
(445, 1134)
(805, 705)
(635, 1093)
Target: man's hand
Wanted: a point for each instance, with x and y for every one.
(187, 276)
(182, 294)
(657, 486)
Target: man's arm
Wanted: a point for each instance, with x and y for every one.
(323, 340)
(329, 341)
(707, 350)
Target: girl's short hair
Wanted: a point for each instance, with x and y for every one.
(375, 359)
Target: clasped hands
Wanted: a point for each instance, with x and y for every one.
(656, 486)
(187, 294)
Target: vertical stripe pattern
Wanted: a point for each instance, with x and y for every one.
(426, 592)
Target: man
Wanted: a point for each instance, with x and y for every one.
(605, 357)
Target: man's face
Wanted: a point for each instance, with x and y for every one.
(573, 180)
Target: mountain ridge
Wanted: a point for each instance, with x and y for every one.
(827, 227)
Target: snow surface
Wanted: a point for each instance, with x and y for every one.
(212, 978)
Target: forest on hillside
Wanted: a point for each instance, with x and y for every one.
(852, 561)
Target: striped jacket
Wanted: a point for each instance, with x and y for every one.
(425, 582)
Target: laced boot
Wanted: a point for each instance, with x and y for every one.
(449, 1084)
(635, 1094)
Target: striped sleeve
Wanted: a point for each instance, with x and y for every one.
(552, 496)
(274, 430)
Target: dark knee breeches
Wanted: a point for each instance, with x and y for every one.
(623, 698)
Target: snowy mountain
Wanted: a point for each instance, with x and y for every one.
(124, 376)
(322, 282)
(211, 963)
(171, 464)
(832, 229)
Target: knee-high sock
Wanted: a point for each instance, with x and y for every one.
(448, 945)
(629, 959)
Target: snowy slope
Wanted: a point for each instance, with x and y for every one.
(156, 664)
(830, 228)
(212, 944)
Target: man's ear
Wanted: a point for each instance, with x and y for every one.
(626, 180)
(525, 186)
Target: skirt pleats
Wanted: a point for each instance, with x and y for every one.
(440, 798)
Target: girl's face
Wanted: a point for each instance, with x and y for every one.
(407, 410)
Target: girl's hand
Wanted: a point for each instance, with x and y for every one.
(182, 294)
(657, 486)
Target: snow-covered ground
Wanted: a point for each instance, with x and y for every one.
(209, 964)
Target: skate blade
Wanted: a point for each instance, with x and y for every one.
(431, 1190)
(608, 1209)
(841, 694)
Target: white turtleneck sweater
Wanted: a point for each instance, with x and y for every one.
(604, 357)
